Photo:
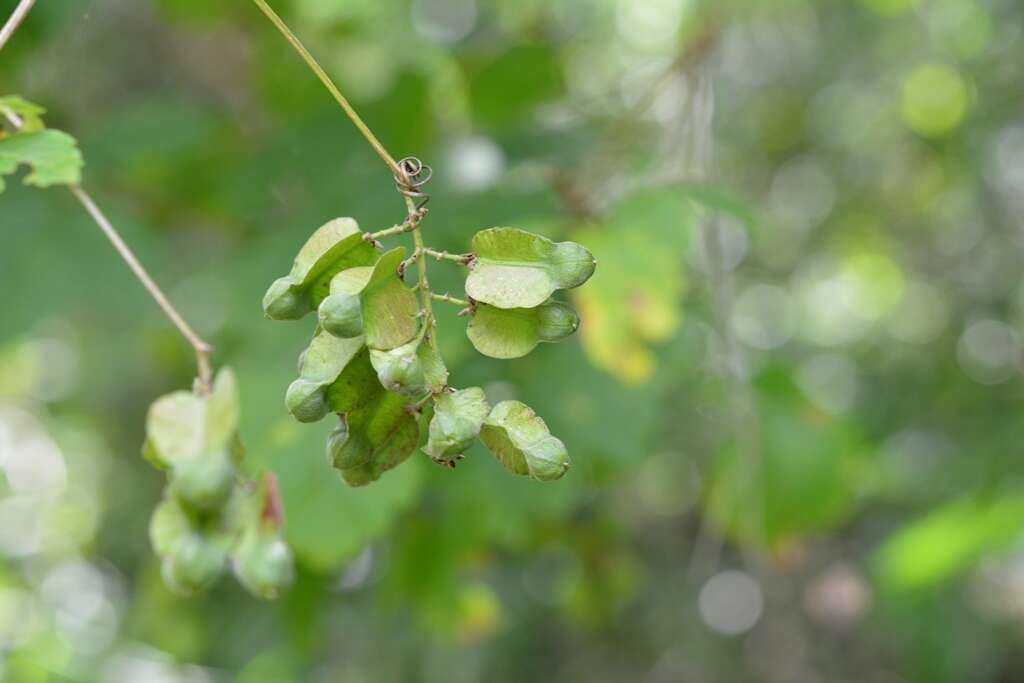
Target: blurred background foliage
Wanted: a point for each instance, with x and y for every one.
(792, 408)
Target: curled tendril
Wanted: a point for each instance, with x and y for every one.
(415, 174)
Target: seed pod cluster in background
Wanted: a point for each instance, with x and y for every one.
(211, 516)
(374, 359)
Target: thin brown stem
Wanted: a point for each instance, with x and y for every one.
(17, 16)
(202, 348)
(331, 87)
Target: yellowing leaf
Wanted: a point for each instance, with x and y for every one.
(635, 300)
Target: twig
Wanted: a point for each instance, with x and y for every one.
(17, 16)
(464, 259)
(329, 84)
(449, 298)
(201, 347)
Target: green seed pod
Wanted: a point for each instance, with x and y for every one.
(306, 400)
(373, 302)
(334, 247)
(456, 423)
(522, 443)
(324, 362)
(412, 369)
(514, 332)
(557, 321)
(263, 563)
(193, 565)
(338, 455)
(204, 482)
(342, 315)
(283, 302)
(169, 524)
(518, 269)
(374, 438)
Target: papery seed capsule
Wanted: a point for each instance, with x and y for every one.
(305, 400)
(557, 321)
(204, 482)
(342, 315)
(263, 563)
(194, 564)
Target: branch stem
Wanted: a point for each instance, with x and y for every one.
(331, 87)
(422, 283)
(202, 348)
(463, 259)
(449, 298)
(17, 16)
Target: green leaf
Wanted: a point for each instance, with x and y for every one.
(514, 332)
(518, 269)
(29, 113)
(412, 369)
(52, 154)
(373, 302)
(949, 540)
(373, 439)
(522, 443)
(321, 364)
(457, 419)
(334, 247)
(263, 563)
(797, 473)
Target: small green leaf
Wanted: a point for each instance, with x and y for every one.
(334, 247)
(522, 443)
(412, 369)
(373, 439)
(373, 302)
(321, 364)
(52, 154)
(456, 423)
(514, 332)
(263, 563)
(518, 269)
(31, 114)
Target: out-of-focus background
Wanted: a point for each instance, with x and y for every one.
(794, 406)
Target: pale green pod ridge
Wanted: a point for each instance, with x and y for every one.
(514, 332)
(514, 268)
(456, 423)
(520, 440)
